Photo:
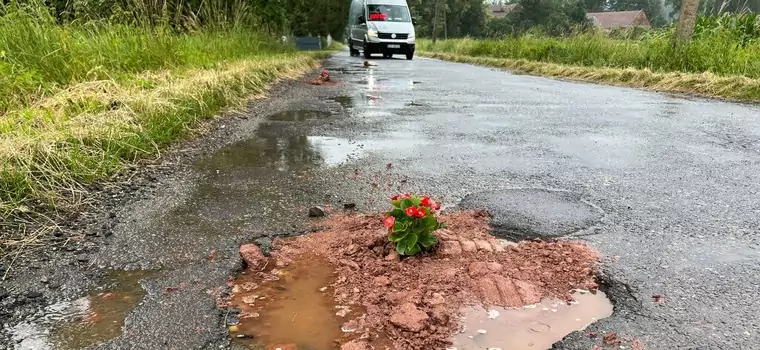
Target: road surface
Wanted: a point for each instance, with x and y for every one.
(671, 180)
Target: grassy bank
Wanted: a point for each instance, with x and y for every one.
(707, 66)
(79, 101)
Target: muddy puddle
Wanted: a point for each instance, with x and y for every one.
(298, 115)
(530, 328)
(294, 308)
(86, 321)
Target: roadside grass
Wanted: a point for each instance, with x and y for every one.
(80, 101)
(707, 66)
(735, 88)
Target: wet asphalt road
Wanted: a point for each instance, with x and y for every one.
(675, 178)
(661, 185)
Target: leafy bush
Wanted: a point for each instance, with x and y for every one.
(411, 223)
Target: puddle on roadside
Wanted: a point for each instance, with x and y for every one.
(103, 318)
(298, 115)
(531, 328)
(86, 321)
(295, 309)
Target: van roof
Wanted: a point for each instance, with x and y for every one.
(386, 2)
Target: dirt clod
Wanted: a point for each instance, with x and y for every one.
(252, 255)
(409, 317)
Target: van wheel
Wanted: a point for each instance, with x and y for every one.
(410, 55)
(352, 51)
(367, 53)
(388, 55)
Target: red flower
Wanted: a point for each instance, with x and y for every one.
(425, 202)
(406, 195)
(411, 211)
(389, 221)
(394, 198)
(420, 213)
(435, 206)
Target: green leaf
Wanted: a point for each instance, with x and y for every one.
(397, 236)
(428, 240)
(413, 250)
(406, 203)
(397, 203)
(411, 239)
(429, 223)
(398, 213)
(400, 225)
(417, 201)
(442, 225)
(401, 247)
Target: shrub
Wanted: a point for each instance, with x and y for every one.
(411, 223)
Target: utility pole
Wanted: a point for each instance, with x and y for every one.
(435, 22)
(686, 19)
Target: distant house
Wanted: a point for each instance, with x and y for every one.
(622, 19)
(501, 10)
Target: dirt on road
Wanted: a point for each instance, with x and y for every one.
(415, 302)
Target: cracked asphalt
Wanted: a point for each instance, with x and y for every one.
(661, 185)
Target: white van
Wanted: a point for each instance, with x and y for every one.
(380, 26)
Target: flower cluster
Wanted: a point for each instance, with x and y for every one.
(411, 223)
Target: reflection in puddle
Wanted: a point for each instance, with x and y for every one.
(535, 327)
(298, 115)
(295, 309)
(85, 321)
(107, 310)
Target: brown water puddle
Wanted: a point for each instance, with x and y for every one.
(100, 316)
(530, 328)
(295, 309)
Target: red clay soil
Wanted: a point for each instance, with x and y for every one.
(415, 301)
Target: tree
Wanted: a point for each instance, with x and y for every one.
(687, 19)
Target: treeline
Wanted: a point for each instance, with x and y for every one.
(472, 18)
(273, 17)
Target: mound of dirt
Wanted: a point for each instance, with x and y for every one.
(414, 302)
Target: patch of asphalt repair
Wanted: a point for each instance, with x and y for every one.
(534, 213)
(680, 210)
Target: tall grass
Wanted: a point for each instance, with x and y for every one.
(720, 52)
(80, 100)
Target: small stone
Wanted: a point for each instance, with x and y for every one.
(483, 245)
(83, 259)
(409, 317)
(316, 212)
(349, 206)
(232, 320)
(382, 281)
(323, 289)
(468, 246)
(436, 299)
(3, 293)
(243, 336)
(252, 255)
(33, 295)
(393, 256)
(482, 331)
(44, 279)
(492, 314)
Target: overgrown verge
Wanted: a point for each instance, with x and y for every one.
(82, 100)
(736, 88)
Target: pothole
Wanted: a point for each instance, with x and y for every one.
(345, 285)
(533, 327)
(298, 115)
(291, 305)
(528, 213)
(86, 321)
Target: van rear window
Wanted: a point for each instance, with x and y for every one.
(388, 13)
